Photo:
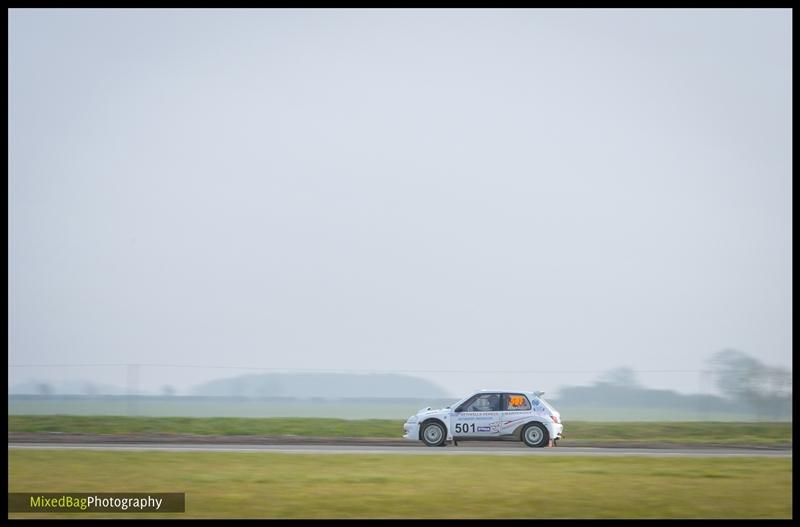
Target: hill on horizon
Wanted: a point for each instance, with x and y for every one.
(327, 385)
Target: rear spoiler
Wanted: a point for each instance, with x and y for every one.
(538, 394)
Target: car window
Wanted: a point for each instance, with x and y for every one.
(546, 404)
(517, 401)
(485, 402)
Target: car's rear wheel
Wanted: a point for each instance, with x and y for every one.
(535, 435)
(433, 433)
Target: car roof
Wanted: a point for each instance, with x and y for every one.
(504, 391)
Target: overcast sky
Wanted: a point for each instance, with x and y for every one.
(474, 190)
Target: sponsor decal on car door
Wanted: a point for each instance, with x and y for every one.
(516, 411)
(479, 417)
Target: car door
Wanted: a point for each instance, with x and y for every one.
(516, 410)
(478, 417)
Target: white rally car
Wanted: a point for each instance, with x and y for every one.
(489, 415)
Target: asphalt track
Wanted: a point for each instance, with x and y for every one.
(462, 449)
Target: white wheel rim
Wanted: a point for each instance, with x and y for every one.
(533, 435)
(433, 434)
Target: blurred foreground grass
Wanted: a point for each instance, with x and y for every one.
(271, 485)
(574, 432)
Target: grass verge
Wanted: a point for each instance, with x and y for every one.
(575, 432)
(272, 485)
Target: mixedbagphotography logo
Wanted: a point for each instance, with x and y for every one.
(97, 502)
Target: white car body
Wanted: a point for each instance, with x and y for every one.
(466, 420)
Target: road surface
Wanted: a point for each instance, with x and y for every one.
(463, 449)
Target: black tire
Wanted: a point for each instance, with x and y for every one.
(535, 435)
(433, 433)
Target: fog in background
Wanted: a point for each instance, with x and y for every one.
(398, 190)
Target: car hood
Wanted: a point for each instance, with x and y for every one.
(431, 411)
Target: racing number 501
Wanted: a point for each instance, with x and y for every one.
(463, 428)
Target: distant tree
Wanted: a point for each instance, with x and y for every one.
(167, 390)
(44, 388)
(620, 377)
(743, 378)
(89, 389)
(780, 381)
(735, 373)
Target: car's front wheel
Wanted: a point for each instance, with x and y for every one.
(433, 434)
(535, 435)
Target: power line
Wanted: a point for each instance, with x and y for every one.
(341, 370)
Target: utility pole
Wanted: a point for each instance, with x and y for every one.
(703, 378)
(133, 387)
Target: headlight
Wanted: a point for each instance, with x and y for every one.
(412, 419)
